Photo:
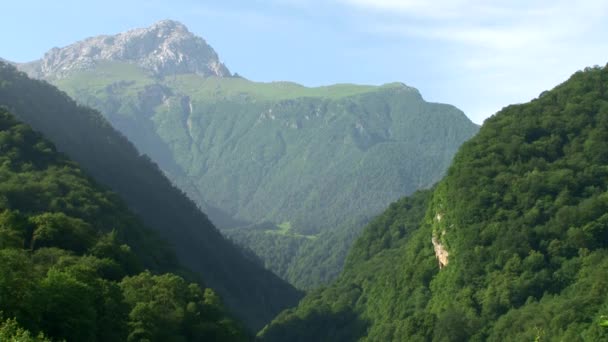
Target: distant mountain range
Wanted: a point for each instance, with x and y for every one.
(267, 160)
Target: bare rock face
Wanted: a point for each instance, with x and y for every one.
(165, 48)
(441, 252)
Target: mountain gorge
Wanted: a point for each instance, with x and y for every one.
(281, 168)
(510, 246)
(75, 262)
(254, 294)
(147, 193)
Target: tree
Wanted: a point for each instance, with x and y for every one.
(11, 331)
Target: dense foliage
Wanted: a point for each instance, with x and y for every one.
(338, 312)
(317, 262)
(523, 215)
(307, 261)
(312, 158)
(11, 331)
(251, 292)
(65, 268)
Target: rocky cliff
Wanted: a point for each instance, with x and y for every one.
(165, 48)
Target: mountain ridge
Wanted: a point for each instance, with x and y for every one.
(306, 159)
(166, 47)
(363, 116)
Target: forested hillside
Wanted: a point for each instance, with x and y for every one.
(510, 246)
(74, 260)
(280, 152)
(307, 261)
(308, 164)
(308, 159)
(251, 292)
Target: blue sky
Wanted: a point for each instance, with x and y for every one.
(477, 55)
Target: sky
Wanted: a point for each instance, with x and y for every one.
(479, 55)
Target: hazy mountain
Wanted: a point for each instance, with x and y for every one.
(72, 258)
(250, 291)
(305, 160)
(512, 245)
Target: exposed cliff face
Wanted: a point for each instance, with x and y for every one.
(440, 252)
(167, 47)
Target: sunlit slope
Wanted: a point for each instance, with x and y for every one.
(279, 152)
(512, 245)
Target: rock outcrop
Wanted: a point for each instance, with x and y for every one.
(440, 252)
(165, 48)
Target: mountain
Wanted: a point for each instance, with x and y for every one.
(72, 258)
(165, 48)
(298, 162)
(251, 292)
(512, 244)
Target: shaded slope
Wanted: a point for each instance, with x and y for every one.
(309, 158)
(250, 291)
(65, 266)
(375, 268)
(522, 214)
(307, 261)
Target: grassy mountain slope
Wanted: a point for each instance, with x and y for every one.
(278, 151)
(250, 291)
(522, 214)
(66, 269)
(251, 153)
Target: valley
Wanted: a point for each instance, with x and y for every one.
(149, 193)
(323, 159)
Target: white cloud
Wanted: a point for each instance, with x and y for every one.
(476, 9)
(483, 23)
(419, 8)
(508, 51)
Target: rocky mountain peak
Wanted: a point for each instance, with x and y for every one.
(169, 25)
(165, 48)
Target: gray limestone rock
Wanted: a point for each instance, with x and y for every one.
(165, 48)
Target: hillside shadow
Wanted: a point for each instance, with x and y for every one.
(343, 326)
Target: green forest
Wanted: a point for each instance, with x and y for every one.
(76, 264)
(522, 213)
(254, 294)
(321, 161)
(279, 152)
